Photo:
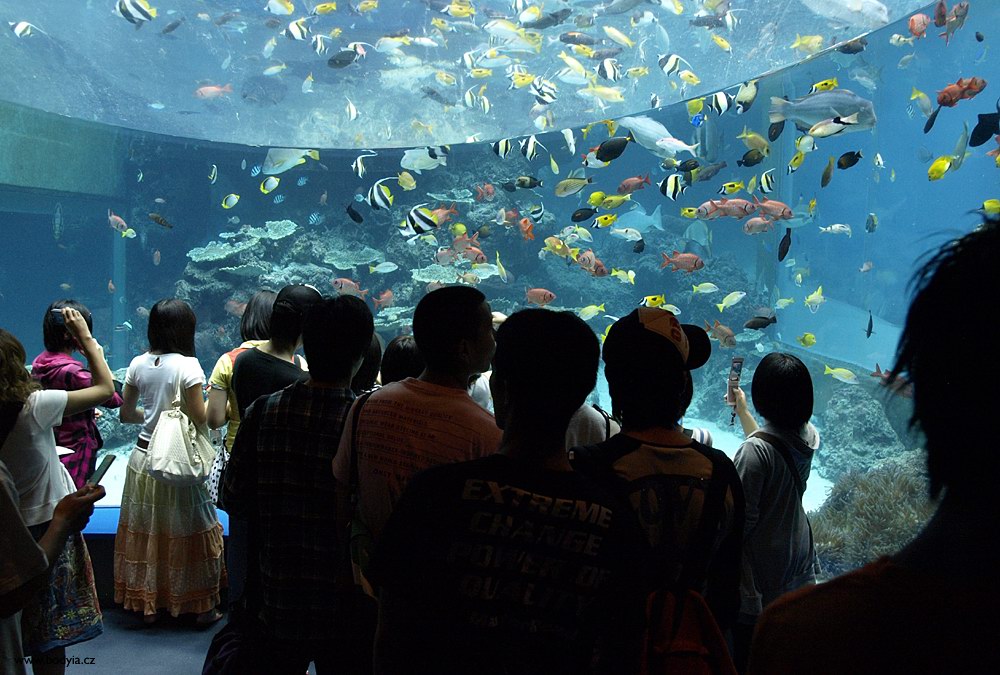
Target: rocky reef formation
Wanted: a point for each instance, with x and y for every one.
(857, 435)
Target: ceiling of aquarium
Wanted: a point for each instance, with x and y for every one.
(391, 73)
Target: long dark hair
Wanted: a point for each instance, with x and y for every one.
(54, 333)
(171, 327)
(256, 321)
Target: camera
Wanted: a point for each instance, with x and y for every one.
(733, 383)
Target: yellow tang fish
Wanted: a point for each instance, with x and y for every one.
(722, 43)
(689, 77)
(842, 374)
(825, 85)
(614, 201)
(808, 44)
(806, 340)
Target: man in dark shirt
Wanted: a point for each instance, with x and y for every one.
(513, 563)
(279, 478)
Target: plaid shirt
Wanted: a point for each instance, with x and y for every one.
(280, 478)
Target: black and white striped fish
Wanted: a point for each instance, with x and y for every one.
(767, 181)
(609, 70)
(672, 186)
(379, 196)
(529, 147)
(419, 221)
(720, 102)
(136, 12)
(358, 165)
(319, 44)
(22, 28)
(502, 147)
(671, 63)
(297, 30)
(543, 91)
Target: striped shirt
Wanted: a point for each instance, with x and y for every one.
(404, 428)
(279, 479)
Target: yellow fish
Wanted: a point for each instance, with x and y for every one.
(458, 229)
(609, 94)
(695, 106)
(722, 43)
(808, 44)
(812, 206)
(324, 8)
(796, 161)
(637, 71)
(617, 36)
(689, 77)
(783, 303)
(368, 6)
(614, 201)
(407, 181)
(607, 220)
(623, 276)
(689, 212)
(590, 311)
(269, 184)
(825, 85)
(755, 141)
(521, 80)
(460, 10)
(596, 198)
(480, 73)
(500, 269)
(731, 188)
(678, 7)
(815, 299)
(447, 79)
(806, 340)
(441, 24)
(940, 167)
(653, 300)
(842, 374)
(230, 200)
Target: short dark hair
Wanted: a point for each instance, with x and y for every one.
(289, 311)
(365, 378)
(336, 333)
(946, 353)
(527, 343)
(782, 390)
(171, 327)
(646, 380)
(442, 319)
(256, 321)
(54, 333)
(401, 360)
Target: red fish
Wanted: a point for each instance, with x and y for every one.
(539, 296)
(485, 191)
(385, 299)
(724, 334)
(775, 209)
(586, 259)
(599, 270)
(963, 89)
(348, 287)
(630, 185)
(445, 256)
(758, 225)
(464, 241)
(689, 262)
(731, 208)
(898, 385)
(473, 254)
(116, 222)
(111, 286)
(918, 25)
(527, 228)
(442, 215)
(213, 91)
(955, 21)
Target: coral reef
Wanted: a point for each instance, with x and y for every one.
(856, 433)
(871, 514)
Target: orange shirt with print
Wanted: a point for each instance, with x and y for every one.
(404, 428)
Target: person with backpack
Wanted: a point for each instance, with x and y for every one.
(774, 464)
(514, 563)
(687, 496)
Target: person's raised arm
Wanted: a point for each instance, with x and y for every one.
(747, 421)
(102, 387)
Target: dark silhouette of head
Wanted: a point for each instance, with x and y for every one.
(54, 333)
(453, 328)
(288, 314)
(782, 390)
(171, 327)
(946, 352)
(544, 368)
(255, 323)
(336, 335)
(401, 360)
(647, 358)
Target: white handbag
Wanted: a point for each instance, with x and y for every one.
(179, 452)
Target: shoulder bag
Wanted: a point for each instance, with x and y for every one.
(179, 452)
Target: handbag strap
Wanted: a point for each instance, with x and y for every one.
(355, 418)
(783, 448)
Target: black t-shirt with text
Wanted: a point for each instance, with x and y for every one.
(257, 374)
(518, 569)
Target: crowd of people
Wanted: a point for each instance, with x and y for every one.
(453, 504)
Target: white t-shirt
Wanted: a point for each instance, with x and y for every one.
(589, 427)
(30, 455)
(156, 377)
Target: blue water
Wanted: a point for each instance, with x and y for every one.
(89, 157)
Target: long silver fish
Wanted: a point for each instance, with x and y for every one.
(809, 110)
